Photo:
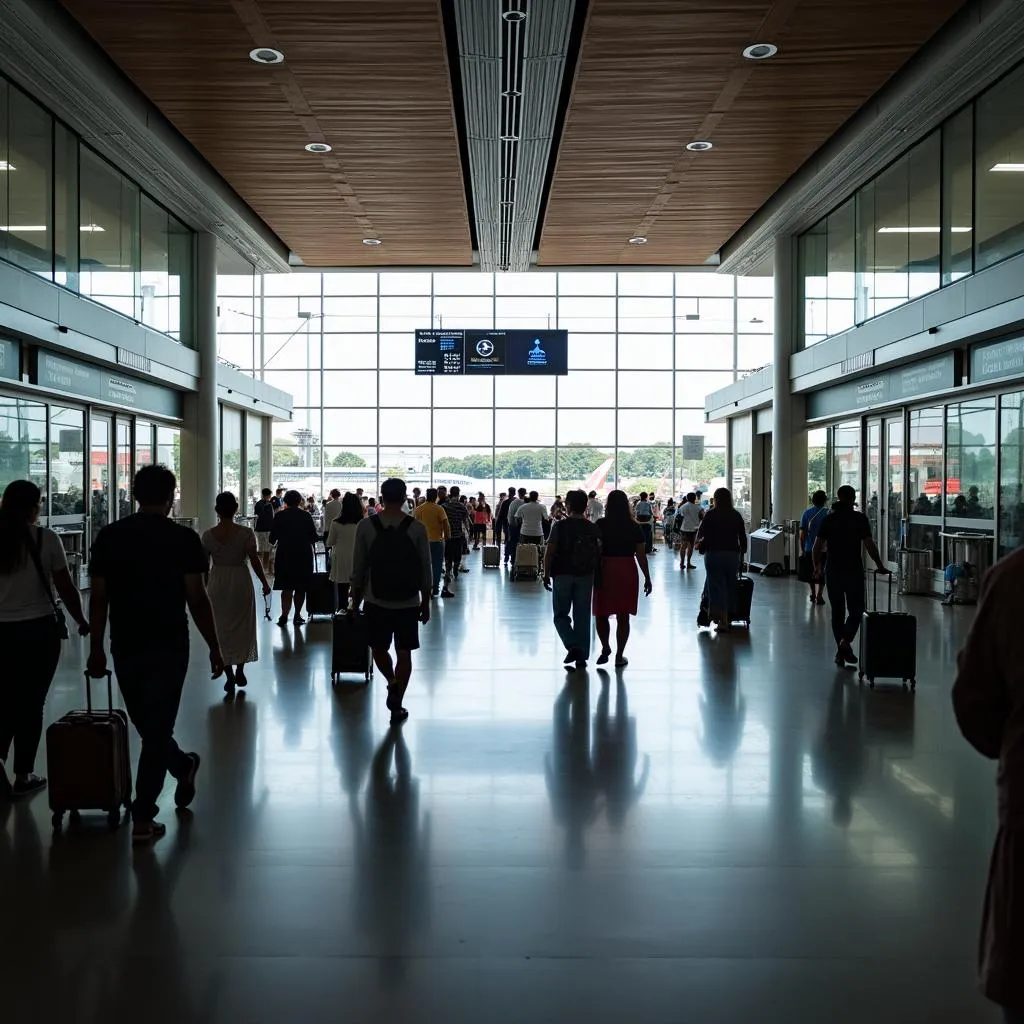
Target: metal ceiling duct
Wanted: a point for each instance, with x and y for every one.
(512, 56)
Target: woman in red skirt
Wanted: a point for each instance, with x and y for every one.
(617, 590)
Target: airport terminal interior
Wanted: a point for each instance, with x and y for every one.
(665, 248)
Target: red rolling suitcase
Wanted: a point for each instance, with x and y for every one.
(88, 761)
(888, 642)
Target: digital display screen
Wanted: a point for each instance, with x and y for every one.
(523, 353)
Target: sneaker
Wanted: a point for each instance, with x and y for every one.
(147, 831)
(570, 656)
(463, 569)
(447, 593)
(848, 656)
(185, 792)
(28, 786)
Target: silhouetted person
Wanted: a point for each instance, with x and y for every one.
(837, 761)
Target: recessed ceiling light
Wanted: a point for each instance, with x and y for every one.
(699, 147)
(372, 241)
(760, 51)
(514, 16)
(511, 93)
(638, 240)
(317, 147)
(266, 55)
(5, 166)
(996, 167)
(509, 138)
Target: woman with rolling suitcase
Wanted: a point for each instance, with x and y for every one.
(31, 628)
(295, 535)
(722, 540)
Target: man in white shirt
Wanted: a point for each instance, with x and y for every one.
(689, 516)
(531, 515)
(514, 525)
(595, 507)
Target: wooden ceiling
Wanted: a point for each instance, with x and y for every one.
(654, 75)
(369, 77)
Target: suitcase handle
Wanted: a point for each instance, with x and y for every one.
(110, 692)
(875, 573)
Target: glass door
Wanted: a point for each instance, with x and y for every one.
(100, 476)
(873, 482)
(893, 509)
(123, 467)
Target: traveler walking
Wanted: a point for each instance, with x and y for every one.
(688, 519)
(668, 520)
(645, 517)
(722, 540)
(572, 558)
(481, 520)
(501, 523)
(278, 499)
(810, 522)
(531, 516)
(557, 509)
(391, 572)
(435, 522)
(145, 570)
(595, 507)
(31, 629)
(623, 548)
(458, 519)
(341, 539)
(295, 535)
(846, 531)
(988, 699)
(230, 547)
(263, 510)
(515, 527)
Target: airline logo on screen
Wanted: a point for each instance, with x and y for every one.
(537, 356)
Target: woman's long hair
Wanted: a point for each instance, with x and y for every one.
(618, 510)
(723, 499)
(352, 510)
(17, 509)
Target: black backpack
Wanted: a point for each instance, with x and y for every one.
(394, 563)
(585, 557)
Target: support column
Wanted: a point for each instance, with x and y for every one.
(207, 419)
(267, 453)
(789, 434)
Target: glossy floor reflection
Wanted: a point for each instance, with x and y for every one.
(727, 831)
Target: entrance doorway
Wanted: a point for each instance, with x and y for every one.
(884, 504)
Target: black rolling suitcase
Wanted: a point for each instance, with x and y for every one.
(741, 597)
(350, 648)
(888, 642)
(322, 596)
(88, 762)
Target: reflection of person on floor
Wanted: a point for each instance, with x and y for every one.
(723, 711)
(293, 689)
(570, 781)
(837, 761)
(392, 857)
(351, 738)
(615, 753)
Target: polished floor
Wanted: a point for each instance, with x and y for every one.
(729, 830)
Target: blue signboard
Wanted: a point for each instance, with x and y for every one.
(524, 353)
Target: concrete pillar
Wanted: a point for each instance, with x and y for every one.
(789, 434)
(207, 419)
(267, 453)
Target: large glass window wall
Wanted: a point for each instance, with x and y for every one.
(645, 349)
(951, 205)
(71, 217)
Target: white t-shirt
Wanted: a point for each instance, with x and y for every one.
(644, 511)
(691, 517)
(595, 509)
(331, 512)
(22, 596)
(531, 514)
(513, 507)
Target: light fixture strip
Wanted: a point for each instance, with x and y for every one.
(924, 230)
(1018, 168)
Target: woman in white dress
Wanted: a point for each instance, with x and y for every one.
(341, 539)
(229, 547)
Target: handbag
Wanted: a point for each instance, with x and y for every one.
(805, 567)
(58, 613)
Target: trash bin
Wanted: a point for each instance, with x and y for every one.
(969, 557)
(913, 572)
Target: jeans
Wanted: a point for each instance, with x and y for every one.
(648, 529)
(846, 595)
(512, 543)
(31, 652)
(722, 567)
(437, 563)
(572, 594)
(151, 683)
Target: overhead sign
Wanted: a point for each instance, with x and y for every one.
(996, 360)
(693, 447)
(10, 359)
(885, 388)
(525, 353)
(118, 389)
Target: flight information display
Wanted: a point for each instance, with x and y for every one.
(462, 351)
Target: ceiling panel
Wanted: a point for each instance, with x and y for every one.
(654, 75)
(369, 77)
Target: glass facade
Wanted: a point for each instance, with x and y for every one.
(71, 217)
(950, 206)
(644, 351)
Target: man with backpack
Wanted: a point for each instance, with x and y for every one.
(571, 560)
(391, 572)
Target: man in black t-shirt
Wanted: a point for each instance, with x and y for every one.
(264, 510)
(845, 531)
(571, 559)
(145, 570)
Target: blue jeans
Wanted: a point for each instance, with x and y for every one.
(437, 563)
(722, 567)
(151, 683)
(571, 594)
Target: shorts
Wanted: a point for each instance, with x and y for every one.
(479, 530)
(262, 542)
(453, 549)
(385, 624)
(689, 536)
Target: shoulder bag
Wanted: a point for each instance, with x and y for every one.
(34, 548)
